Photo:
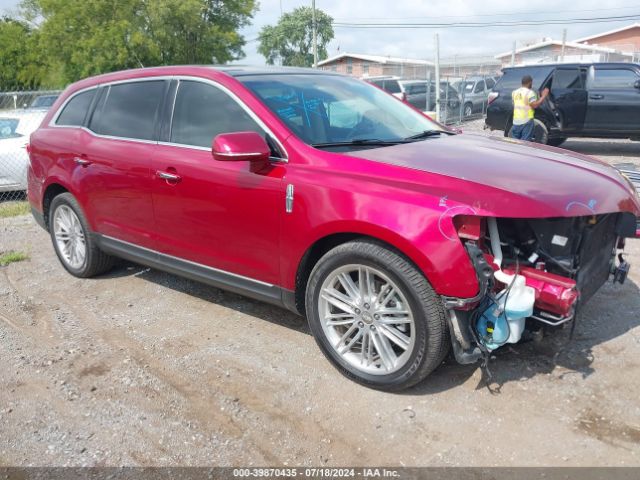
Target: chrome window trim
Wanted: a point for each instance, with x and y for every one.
(244, 106)
(207, 267)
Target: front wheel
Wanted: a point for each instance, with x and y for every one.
(375, 316)
(468, 109)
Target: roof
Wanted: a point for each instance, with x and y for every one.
(375, 58)
(547, 43)
(610, 32)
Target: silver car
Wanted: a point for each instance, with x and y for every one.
(15, 128)
(474, 92)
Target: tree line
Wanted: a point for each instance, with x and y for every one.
(51, 43)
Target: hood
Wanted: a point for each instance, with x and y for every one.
(569, 184)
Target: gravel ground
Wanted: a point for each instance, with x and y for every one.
(139, 367)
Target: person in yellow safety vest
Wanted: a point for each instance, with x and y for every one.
(525, 101)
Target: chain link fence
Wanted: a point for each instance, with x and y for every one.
(20, 114)
(464, 86)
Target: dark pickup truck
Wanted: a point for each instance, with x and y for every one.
(599, 100)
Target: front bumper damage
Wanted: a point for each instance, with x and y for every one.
(562, 261)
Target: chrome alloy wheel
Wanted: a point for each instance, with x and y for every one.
(69, 237)
(367, 319)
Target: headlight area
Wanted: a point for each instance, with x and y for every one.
(533, 274)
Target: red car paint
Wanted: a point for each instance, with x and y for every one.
(554, 294)
(231, 215)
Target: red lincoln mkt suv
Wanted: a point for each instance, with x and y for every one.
(396, 237)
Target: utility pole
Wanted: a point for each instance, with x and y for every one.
(564, 42)
(315, 34)
(437, 72)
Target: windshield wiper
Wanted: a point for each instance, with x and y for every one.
(428, 133)
(364, 142)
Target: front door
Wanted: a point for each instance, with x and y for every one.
(568, 98)
(224, 215)
(614, 102)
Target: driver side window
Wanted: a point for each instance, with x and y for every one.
(203, 111)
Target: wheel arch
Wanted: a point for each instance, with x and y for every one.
(329, 241)
(51, 191)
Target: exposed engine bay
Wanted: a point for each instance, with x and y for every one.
(533, 274)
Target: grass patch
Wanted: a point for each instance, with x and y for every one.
(11, 257)
(13, 209)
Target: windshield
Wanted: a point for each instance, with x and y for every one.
(8, 128)
(323, 109)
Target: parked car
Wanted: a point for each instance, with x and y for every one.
(380, 225)
(416, 94)
(474, 93)
(15, 128)
(599, 100)
(43, 102)
(389, 84)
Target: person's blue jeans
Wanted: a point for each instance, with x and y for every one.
(523, 132)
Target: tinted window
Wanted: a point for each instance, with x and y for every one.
(392, 86)
(129, 110)
(490, 83)
(567, 78)
(76, 109)
(417, 88)
(479, 87)
(512, 79)
(203, 111)
(614, 78)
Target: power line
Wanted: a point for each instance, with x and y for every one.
(500, 14)
(515, 23)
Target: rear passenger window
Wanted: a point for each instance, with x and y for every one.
(75, 110)
(614, 78)
(490, 83)
(129, 110)
(479, 87)
(392, 86)
(567, 78)
(203, 111)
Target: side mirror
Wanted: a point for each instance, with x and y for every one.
(240, 147)
(637, 84)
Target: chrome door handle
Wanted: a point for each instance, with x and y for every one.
(596, 97)
(81, 161)
(172, 177)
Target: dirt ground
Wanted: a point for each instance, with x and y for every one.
(139, 367)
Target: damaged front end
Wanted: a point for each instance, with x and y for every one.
(533, 274)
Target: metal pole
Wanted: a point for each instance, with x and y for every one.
(437, 79)
(564, 42)
(513, 54)
(315, 34)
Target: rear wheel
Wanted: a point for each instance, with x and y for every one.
(540, 132)
(375, 316)
(556, 142)
(73, 241)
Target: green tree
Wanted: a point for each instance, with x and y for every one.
(80, 38)
(20, 66)
(291, 39)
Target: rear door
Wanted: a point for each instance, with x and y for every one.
(568, 98)
(111, 158)
(614, 102)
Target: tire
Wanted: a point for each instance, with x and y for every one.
(419, 340)
(556, 142)
(468, 109)
(66, 220)
(540, 132)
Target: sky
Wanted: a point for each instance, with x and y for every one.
(460, 42)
